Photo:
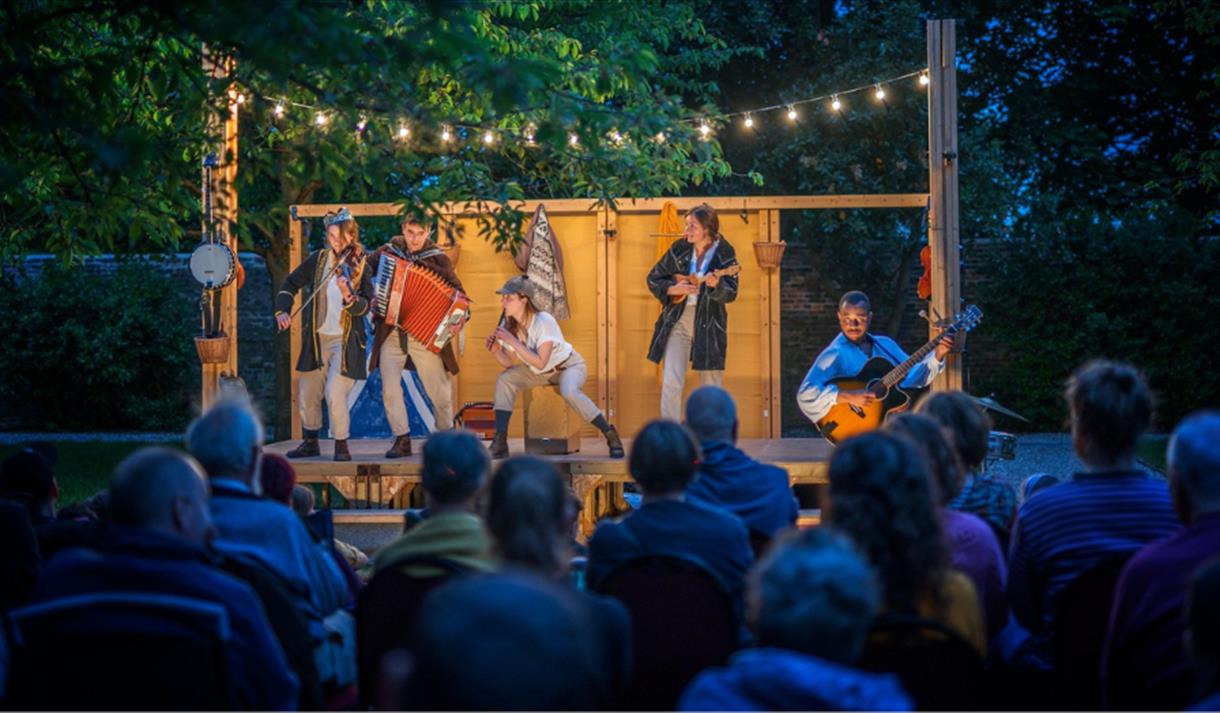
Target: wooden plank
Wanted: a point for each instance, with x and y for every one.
(764, 331)
(611, 333)
(296, 251)
(643, 205)
(776, 346)
(603, 328)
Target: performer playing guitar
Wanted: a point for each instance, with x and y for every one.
(847, 389)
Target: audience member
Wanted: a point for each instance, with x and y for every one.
(973, 548)
(227, 441)
(159, 503)
(810, 603)
(454, 469)
(969, 427)
(27, 477)
(503, 642)
(279, 483)
(1203, 634)
(277, 477)
(19, 559)
(756, 492)
(881, 497)
(530, 514)
(1036, 483)
(664, 460)
(302, 500)
(1145, 664)
(1106, 512)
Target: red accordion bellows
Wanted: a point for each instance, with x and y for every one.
(417, 300)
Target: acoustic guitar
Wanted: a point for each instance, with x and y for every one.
(700, 279)
(881, 378)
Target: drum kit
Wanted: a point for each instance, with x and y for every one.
(213, 263)
(1000, 445)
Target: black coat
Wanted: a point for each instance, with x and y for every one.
(307, 279)
(711, 342)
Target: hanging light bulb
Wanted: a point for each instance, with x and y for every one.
(279, 109)
(362, 124)
(529, 135)
(489, 138)
(403, 132)
(704, 130)
(616, 137)
(446, 134)
(792, 112)
(660, 137)
(835, 104)
(573, 139)
(880, 93)
(241, 98)
(320, 119)
(749, 122)
(923, 79)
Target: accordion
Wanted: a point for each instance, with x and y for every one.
(417, 300)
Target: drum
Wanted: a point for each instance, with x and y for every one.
(213, 265)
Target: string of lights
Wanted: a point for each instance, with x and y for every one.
(450, 132)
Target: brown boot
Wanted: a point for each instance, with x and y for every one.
(401, 447)
(499, 445)
(341, 452)
(308, 447)
(614, 443)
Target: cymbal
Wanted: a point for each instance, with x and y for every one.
(992, 405)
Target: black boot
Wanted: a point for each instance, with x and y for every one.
(499, 445)
(341, 452)
(401, 447)
(308, 447)
(614, 443)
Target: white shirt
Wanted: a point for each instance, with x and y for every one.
(698, 270)
(844, 358)
(545, 329)
(334, 304)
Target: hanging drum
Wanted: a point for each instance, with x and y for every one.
(214, 265)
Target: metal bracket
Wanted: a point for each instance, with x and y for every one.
(950, 156)
(293, 210)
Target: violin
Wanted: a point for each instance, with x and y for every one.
(924, 288)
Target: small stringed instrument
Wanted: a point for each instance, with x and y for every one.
(700, 279)
(881, 378)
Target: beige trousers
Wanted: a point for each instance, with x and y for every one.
(677, 359)
(570, 379)
(431, 372)
(329, 383)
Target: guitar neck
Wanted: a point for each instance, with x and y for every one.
(898, 373)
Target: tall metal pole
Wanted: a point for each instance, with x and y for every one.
(943, 222)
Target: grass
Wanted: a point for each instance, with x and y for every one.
(1151, 450)
(85, 466)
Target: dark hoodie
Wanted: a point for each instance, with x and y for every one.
(756, 492)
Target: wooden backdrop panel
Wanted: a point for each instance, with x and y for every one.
(638, 383)
(483, 271)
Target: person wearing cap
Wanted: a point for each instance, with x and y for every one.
(530, 345)
(332, 356)
(695, 331)
(394, 349)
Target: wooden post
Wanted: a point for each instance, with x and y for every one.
(224, 212)
(296, 253)
(943, 225)
(608, 307)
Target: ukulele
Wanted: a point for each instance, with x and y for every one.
(700, 279)
(881, 378)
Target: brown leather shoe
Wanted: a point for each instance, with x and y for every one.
(401, 447)
(614, 443)
(341, 452)
(307, 449)
(499, 445)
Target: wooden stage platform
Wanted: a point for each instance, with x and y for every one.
(375, 481)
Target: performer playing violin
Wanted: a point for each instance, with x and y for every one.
(338, 288)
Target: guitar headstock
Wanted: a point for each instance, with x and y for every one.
(968, 320)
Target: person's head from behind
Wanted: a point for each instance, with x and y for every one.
(966, 423)
(455, 466)
(26, 476)
(1194, 464)
(162, 490)
(880, 497)
(302, 500)
(227, 441)
(1203, 624)
(711, 415)
(939, 457)
(664, 458)
(502, 642)
(815, 594)
(530, 514)
(1110, 407)
(278, 477)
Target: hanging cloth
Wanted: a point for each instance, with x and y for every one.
(541, 258)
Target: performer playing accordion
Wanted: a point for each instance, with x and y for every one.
(395, 349)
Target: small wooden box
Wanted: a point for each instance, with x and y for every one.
(478, 417)
(551, 428)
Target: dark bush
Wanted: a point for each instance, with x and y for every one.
(85, 350)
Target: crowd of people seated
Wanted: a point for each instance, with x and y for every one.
(206, 578)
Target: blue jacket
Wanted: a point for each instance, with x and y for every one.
(140, 561)
(782, 680)
(756, 492)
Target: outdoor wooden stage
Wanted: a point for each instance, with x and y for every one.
(372, 480)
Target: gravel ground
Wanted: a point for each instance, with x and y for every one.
(1041, 453)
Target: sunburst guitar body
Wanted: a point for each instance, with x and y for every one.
(844, 420)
